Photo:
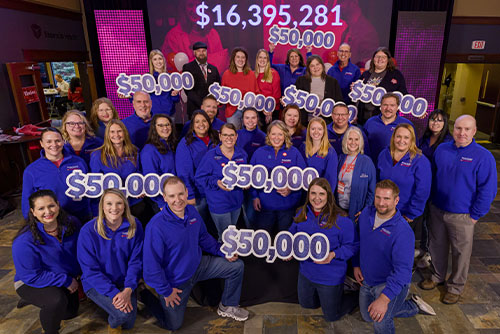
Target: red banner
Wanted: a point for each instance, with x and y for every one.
(30, 94)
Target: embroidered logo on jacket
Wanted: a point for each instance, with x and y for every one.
(192, 221)
(385, 231)
(465, 159)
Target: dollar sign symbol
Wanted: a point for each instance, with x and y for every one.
(290, 92)
(214, 90)
(76, 185)
(204, 18)
(274, 34)
(229, 237)
(229, 172)
(356, 92)
(123, 86)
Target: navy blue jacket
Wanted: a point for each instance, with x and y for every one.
(364, 179)
(163, 103)
(43, 174)
(345, 77)
(250, 141)
(386, 253)
(427, 150)
(465, 179)
(154, 162)
(89, 145)
(172, 248)
(336, 140)
(216, 125)
(210, 171)
(286, 157)
(109, 266)
(412, 176)
(342, 242)
(379, 134)
(51, 264)
(187, 159)
(287, 78)
(326, 166)
(137, 129)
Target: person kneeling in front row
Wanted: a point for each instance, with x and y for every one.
(173, 263)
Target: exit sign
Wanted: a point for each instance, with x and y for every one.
(478, 45)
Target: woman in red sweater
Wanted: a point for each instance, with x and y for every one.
(240, 76)
(268, 81)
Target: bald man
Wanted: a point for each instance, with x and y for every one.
(464, 185)
(138, 123)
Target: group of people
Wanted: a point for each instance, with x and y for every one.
(71, 92)
(377, 186)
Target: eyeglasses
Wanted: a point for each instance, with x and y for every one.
(380, 57)
(343, 51)
(437, 120)
(340, 115)
(73, 124)
(225, 135)
(104, 110)
(163, 125)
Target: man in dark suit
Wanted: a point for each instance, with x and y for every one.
(204, 75)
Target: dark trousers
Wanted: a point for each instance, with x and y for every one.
(55, 304)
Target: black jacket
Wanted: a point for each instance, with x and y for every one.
(200, 89)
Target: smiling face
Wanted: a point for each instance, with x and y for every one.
(158, 63)
(250, 120)
(344, 53)
(175, 195)
(104, 113)
(240, 60)
(52, 143)
(436, 124)
(201, 55)
(163, 127)
(291, 118)
(113, 208)
(262, 60)
(116, 134)
(228, 138)
(385, 202)
(317, 198)
(340, 116)
(464, 130)
(294, 59)
(402, 140)
(46, 210)
(316, 131)
(380, 61)
(210, 107)
(75, 126)
(200, 125)
(142, 105)
(389, 108)
(316, 68)
(353, 142)
(277, 137)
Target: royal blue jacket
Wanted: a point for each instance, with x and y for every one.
(163, 103)
(210, 171)
(125, 168)
(345, 77)
(43, 174)
(152, 161)
(250, 141)
(216, 125)
(287, 78)
(326, 166)
(298, 140)
(172, 248)
(51, 264)
(336, 140)
(364, 179)
(412, 176)
(137, 129)
(285, 157)
(187, 159)
(89, 145)
(386, 253)
(101, 130)
(379, 134)
(465, 179)
(109, 266)
(342, 242)
(427, 150)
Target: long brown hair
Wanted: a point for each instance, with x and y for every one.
(94, 118)
(299, 128)
(212, 134)
(330, 211)
(308, 74)
(301, 58)
(390, 63)
(154, 138)
(232, 65)
(108, 151)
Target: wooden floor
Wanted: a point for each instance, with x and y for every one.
(478, 310)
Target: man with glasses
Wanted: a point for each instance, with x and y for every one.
(344, 71)
(339, 126)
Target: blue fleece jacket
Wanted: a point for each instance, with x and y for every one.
(89, 145)
(386, 253)
(427, 150)
(101, 130)
(187, 159)
(172, 248)
(163, 103)
(109, 266)
(210, 171)
(326, 166)
(342, 242)
(216, 125)
(287, 78)
(465, 179)
(285, 157)
(298, 140)
(152, 161)
(345, 77)
(43, 174)
(336, 140)
(379, 134)
(364, 179)
(250, 141)
(51, 264)
(137, 129)
(413, 177)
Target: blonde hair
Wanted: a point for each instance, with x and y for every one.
(280, 125)
(94, 117)
(325, 144)
(413, 149)
(108, 151)
(355, 129)
(268, 74)
(88, 130)
(151, 55)
(100, 220)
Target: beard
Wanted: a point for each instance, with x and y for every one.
(201, 60)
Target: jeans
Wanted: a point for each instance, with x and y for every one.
(210, 267)
(329, 297)
(274, 221)
(115, 317)
(249, 213)
(236, 119)
(223, 220)
(397, 307)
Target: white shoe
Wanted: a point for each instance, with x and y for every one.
(422, 305)
(235, 312)
(424, 261)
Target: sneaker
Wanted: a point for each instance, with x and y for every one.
(235, 312)
(450, 298)
(424, 261)
(422, 305)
